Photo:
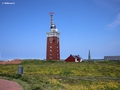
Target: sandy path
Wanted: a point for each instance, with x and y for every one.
(9, 85)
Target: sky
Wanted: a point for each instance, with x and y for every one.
(83, 25)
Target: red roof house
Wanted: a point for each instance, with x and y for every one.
(74, 58)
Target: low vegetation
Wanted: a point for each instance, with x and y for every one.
(60, 75)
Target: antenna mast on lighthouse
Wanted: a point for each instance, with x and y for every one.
(51, 18)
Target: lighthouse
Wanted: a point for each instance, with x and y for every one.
(53, 44)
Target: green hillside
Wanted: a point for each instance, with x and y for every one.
(60, 75)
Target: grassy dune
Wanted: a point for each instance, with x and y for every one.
(59, 75)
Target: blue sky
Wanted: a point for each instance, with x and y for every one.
(83, 24)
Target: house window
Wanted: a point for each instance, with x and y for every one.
(50, 57)
(50, 46)
(50, 50)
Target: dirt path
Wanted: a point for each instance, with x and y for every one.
(9, 85)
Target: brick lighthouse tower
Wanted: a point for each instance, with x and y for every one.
(53, 48)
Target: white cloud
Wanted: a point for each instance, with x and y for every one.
(116, 22)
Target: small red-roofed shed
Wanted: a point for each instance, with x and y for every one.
(74, 58)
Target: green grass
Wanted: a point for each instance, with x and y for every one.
(60, 75)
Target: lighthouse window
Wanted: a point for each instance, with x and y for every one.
(51, 39)
(50, 46)
(57, 40)
(50, 50)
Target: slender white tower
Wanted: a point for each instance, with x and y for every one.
(0, 56)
